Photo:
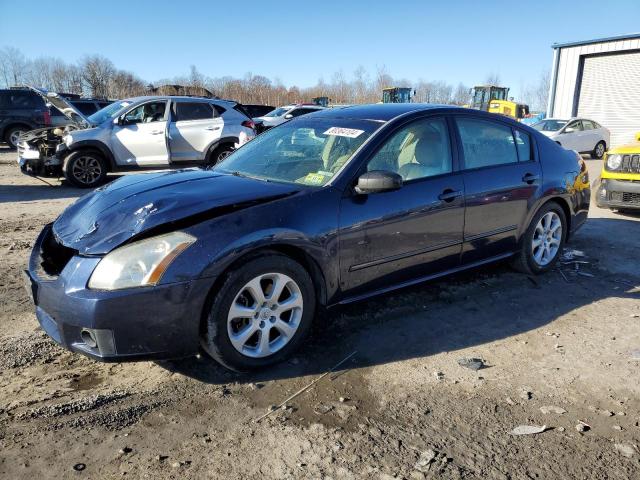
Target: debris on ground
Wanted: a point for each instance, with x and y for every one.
(471, 363)
(526, 395)
(625, 449)
(583, 426)
(547, 409)
(571, 254)
(426, 459)
(528, 430)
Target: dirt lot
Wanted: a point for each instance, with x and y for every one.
(401, 407)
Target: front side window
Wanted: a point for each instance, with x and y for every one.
(184, 111)
(573, 127)
(146, 113)
(550, 125)
(485, 143)
(418, 150)
(587, 125)
(308, 151)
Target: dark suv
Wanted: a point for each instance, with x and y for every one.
(21, 110)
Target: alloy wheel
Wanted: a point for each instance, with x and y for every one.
(223, 154)
(265, 315)
(600, 150)
(14, 137)
(547, 238)
(86, 170)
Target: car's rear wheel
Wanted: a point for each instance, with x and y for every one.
(543, 241)
(13, 135)
(219, 153)
(261, 313)
(85, 169)
(599, 150)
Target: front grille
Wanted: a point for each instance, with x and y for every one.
(54, 256)
(632, 198)
(630, 163)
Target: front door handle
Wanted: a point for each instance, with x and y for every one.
(449, 195)
(530, 178)
(157, 132)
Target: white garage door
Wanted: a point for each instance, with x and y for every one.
(610, 94)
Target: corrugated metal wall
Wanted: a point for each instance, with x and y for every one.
(568, 70)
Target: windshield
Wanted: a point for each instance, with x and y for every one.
(550, 125)
(278, 112)
(306, 151)
(110, 111)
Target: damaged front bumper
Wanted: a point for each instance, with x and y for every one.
(619, 194)
(162, 321)
(32, 162)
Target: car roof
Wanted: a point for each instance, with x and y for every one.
(175, 97)
(380, 111)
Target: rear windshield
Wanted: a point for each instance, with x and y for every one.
(306, 151)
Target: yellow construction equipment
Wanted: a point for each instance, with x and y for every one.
(397, 95)
(494, 99)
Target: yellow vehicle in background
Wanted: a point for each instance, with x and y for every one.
(494, 99)
(397, 95)
(620, 178)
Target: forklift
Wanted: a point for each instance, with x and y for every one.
(320, 101)
(397, 95)
(494, 99)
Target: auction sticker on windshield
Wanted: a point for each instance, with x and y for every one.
(344, 132)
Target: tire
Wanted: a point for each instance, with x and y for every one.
(528, 259)
(599, 150)
(85, 169)
(219, 153)
(12, 135)
(236, 341)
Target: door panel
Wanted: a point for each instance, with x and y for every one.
(141, 138)
(499, 188)
(391, 237)
(416, 231)
(192, 129)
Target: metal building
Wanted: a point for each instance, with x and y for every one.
(598, 79)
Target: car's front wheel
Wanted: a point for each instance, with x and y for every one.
(85, 169)
(13, 136)
(261, 313)
(598, 151)
(219, 153)
(543, 241)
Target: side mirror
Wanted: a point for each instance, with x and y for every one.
(288, 116)
(377, 181)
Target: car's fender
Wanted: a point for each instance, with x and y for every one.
(95, 145)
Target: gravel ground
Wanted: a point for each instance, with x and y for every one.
(560, 351)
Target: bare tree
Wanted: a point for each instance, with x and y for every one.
(461, 95)
(96, 73)
(13, 66)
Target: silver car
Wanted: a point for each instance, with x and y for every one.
(142, 132)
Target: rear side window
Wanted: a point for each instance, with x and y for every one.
(21, 99)
(302, 111)
(523, 145)
(588, 125)
(485, 143)
(192, 111)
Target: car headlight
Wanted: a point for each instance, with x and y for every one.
(67, 139)
(139, 264)
(614, 161)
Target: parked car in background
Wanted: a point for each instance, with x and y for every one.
(620, 178)
(142, 132)
(579, 134)
(284, 114)
(258, 110)
(21, 110)
(86, 106)
(327, 209)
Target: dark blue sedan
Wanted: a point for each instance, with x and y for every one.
(329, 208)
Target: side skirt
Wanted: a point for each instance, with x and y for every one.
(425, 278)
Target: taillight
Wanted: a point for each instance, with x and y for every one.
(249, 124)
(46, 117)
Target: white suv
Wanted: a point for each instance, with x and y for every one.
(284, 114)
(142, 132)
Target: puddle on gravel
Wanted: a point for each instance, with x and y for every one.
(85, 382)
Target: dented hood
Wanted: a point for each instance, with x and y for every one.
(111, 215)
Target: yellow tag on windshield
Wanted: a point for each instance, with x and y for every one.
(314, 179)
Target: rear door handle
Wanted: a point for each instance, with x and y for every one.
(157, 132)
(213, 128)
(530, 178)
(449, 195)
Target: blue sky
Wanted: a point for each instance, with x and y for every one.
(301, 41)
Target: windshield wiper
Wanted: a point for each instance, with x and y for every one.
(244, 175)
